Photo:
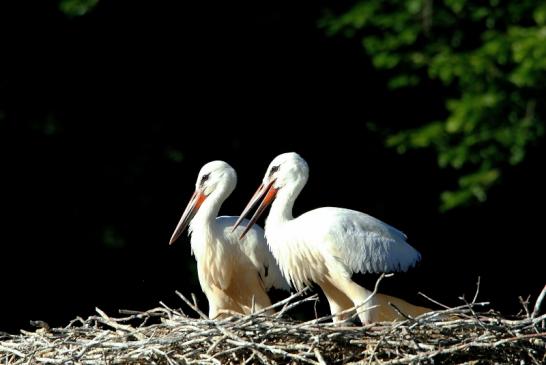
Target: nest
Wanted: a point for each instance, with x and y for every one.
(462, 334)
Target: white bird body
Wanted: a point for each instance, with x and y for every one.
(327, 245)
(234, 274)
(368, 245)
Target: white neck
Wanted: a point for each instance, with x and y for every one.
(281, 209)
(207, 213)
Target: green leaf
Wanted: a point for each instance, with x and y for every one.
(77, 7)
(483, 177)
(539, 15)
(453, 199)
(488, 60)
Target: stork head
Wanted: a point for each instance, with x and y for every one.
(216, 178)
(287, 169)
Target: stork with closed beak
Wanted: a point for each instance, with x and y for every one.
(327, 245)
(234, 274)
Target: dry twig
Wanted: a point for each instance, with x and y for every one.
(463, 334)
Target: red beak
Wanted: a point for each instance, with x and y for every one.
(270, 192)
(193, 206)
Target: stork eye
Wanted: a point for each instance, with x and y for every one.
(274, 169)
(204, 178)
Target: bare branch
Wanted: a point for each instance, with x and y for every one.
(538, 303)
(460, 334)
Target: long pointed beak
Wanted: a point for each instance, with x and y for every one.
(193, 206)
(270, 192)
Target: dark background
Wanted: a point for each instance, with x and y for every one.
(106, 120)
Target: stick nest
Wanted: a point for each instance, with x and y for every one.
(166, 336)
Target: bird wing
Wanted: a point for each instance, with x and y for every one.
(359, 241)
(254, 247)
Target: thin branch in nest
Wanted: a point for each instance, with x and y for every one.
(399, 311)
(450, 335)
(477, 291)
(538, 303)
(192, 305)
(525, 304)
(433, 301)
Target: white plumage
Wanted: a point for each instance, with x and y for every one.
(354, 240)
(232, 273)
(327, 245)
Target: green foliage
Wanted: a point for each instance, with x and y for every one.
(490, 57)
(77, 7)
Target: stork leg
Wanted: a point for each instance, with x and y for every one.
(213, 311)
(261, 301)
(248, 290)
(359, 297)
(337, 300)
(387, 313)
(221, 304)
(383, 311)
